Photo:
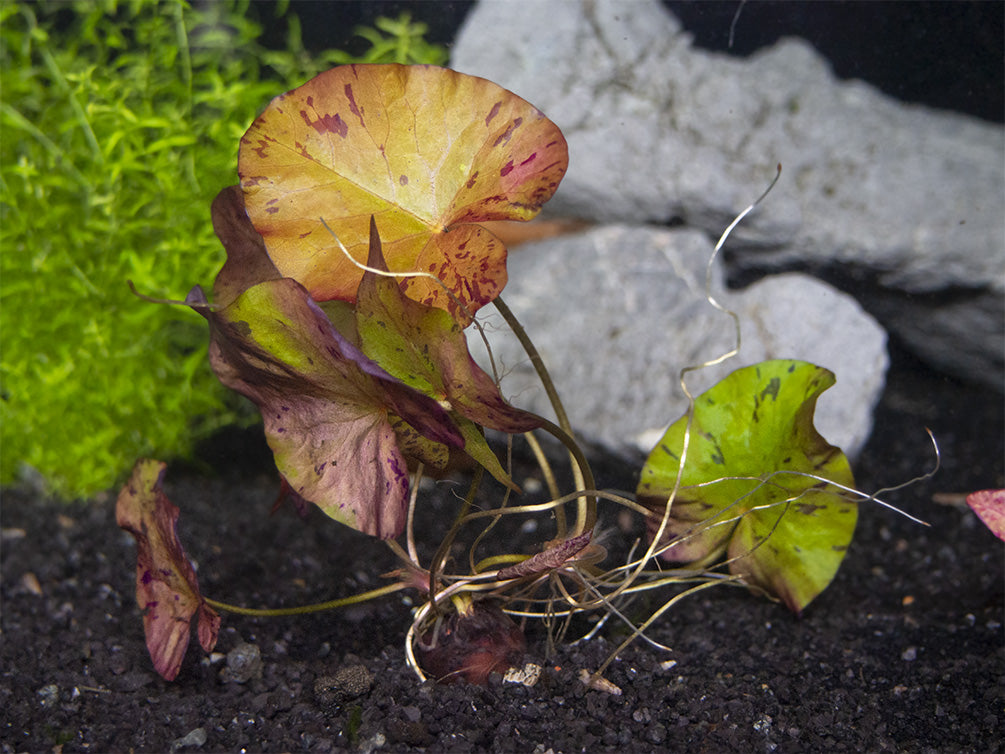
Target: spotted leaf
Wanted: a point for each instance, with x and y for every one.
(426, 150)
(743, 492)
(327, 407)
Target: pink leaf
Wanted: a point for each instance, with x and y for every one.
(989, 505)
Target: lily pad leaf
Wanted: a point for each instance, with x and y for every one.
(989, 505)
(427, 150)
(166, 586)
(743, 491)
(326, 406)
(426, 348)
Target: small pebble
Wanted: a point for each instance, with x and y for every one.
(30, 583)
(244, 662)
(528, 675)
(194, 739)
(48, 695)
(911, 653)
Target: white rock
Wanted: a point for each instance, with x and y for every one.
(907, 198)
(618, 311)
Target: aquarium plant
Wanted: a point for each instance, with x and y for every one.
(355, 264)
(120, 121)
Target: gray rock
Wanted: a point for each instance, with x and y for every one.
(618, 311)
(906, 198)
(195, 739)
(244, 662)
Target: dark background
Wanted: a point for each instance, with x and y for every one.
(942, 54)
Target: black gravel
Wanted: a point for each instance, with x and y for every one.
(904, 652)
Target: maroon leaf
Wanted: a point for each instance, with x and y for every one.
(425, 348)
(247, 262)
(550, 559)
(325, 404)
(166, 587)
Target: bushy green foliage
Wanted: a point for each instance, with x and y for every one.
(120, 121)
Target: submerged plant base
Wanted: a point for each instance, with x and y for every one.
(470, 646)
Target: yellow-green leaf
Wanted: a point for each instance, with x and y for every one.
(745, 490)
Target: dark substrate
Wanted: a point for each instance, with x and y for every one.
(904, 652)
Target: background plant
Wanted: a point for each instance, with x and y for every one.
(119, 127)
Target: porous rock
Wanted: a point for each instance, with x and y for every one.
(618, 311)
(904, 198)
(344, 684)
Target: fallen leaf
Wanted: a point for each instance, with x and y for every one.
(549, 560)
(167, 590)
(989, 505)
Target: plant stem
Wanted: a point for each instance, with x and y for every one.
(305, 609)
(587, 515)
(448, 540)
(537, 361)
(549, 478)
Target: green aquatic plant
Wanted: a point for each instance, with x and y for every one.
(120, 121)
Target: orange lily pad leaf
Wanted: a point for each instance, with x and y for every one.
(166, 587)
(426, 150)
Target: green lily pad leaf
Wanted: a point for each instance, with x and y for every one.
(426, 348)
(784, 533)
(326, 406)
(427, 150)
(166, 586)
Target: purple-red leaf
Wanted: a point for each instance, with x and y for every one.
(166, 587)
(325, 404)
(247, 262)
(989, 505)
(549, 560)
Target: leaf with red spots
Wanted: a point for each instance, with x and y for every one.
(327, 407)
(166, 587)
(425, 348)
(426, 150)
(744, 490)
(989, 505)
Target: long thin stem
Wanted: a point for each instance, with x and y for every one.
(537, 361)
(586, 516)
(448, 540)
(550, 481)
(587, 506)
(320, 607)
